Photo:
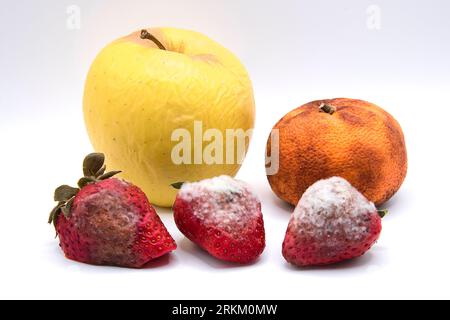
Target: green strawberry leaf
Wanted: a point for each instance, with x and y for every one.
(108, 175)
(67, 208)
(177, 185)
(83, 182)
(54, 212)
(100, 172)
(383, 213)
(93, 163)
(64, 193)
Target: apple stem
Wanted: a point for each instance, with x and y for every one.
(324, 107)
(146, 35)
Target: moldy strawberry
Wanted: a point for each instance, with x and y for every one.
(108, 221)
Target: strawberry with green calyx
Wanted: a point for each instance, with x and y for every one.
(108, 221)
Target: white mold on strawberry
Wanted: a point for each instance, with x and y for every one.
(332, 222)
(223, 216)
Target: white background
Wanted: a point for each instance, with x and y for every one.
(295, 51)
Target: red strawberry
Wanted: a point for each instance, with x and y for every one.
(108, 221)
(332, 222)
(222, 216)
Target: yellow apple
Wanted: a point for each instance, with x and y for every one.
(164, 94)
